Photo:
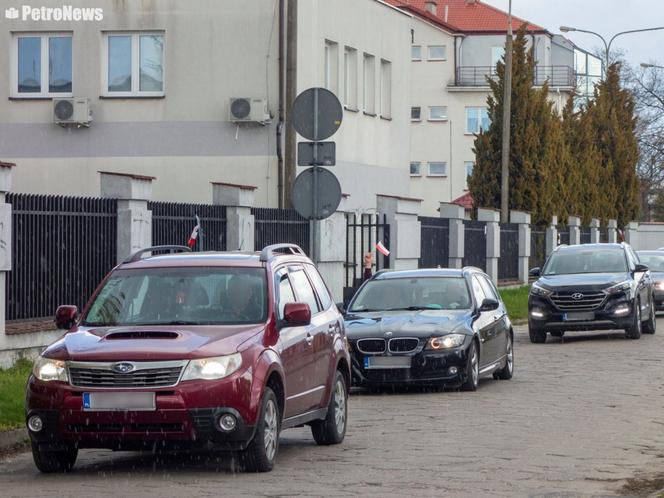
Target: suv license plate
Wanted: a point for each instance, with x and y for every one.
(109, 402)
(579, 316)
(386, 362)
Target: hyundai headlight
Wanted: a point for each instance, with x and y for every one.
(448, 341)
(212, 368)
(538, 290)
(621, 287)
(49, 370)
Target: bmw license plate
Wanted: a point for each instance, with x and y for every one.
(579, 316)
(386, 362)
(109, 402)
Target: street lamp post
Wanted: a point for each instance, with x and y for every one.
(507, 111)
(645, 65)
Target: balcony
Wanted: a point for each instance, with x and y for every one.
(476, 76)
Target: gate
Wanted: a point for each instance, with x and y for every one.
(604, 235)
(277, 226)
(435, 242)
(563, 235)
(537, 247)
(173, 222)
(585, 235)
(508, 263)
(62, 247)
(474, 253)
(362, 233)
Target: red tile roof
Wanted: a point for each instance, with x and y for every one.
(465, 201)
(469, 16)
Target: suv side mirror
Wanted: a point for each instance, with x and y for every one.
(640, 267)
(489, 305)
(535, 272)
(297, 314)
(66, 316)
(341, 307)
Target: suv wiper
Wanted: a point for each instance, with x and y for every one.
(413, 308)
(178, 322)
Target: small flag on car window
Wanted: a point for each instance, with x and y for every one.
(382, 249)
(194, 234)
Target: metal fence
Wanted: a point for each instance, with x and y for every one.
(61, 249)
(435, 242)
(173, 222)
(585, 235)
(563, 235)
(275, 226)
(508, 263)
(474, 244)
(537, 247)
(604, 235)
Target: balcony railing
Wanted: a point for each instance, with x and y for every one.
(478, 75)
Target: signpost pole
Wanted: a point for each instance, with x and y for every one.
(314, 193)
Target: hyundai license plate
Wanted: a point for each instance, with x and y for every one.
(386, 362)
(109, 402)
(579, 316)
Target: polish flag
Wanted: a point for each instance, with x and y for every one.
(382, 249)
(194, 234)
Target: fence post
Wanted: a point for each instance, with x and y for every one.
(134, 218)
(492, 219)
(240, 223)
(523, 220)
(5, 244)
(405, 229)
(612, 231)
(552, 236)
(632, 234)
(594, 231)
(456, 214)
(332, 251)
(574, 223)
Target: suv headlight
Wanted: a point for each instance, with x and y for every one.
(48, 370)
(621, 287)
(212, 368)
(538, 290)
(659, 285)
(448, 341)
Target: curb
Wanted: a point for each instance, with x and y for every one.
(10, 439)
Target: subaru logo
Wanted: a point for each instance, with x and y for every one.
(577, 296)
(123, 367)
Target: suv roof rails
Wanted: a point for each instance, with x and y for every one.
(472, 268)
(137, 255)
(380, 272)
(275, 250)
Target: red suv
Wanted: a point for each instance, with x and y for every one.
(219, 350)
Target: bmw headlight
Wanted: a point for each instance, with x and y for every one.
(621, 287)
(538, 290)
(659, 285)
(212, 368)
(49, 370)
(448, 341)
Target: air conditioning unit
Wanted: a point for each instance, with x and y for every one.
(72, 111)
(248, 110)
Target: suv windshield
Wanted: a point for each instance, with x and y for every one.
(181, 296)
(436, 293)
(586, 261)
(655, 261)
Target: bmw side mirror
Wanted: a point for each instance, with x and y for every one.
(66, 316)
(535, 272)
(489, 305)
(640, 267)
(297, 314)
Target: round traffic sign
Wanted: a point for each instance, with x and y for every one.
(317, 114)
(327, 195)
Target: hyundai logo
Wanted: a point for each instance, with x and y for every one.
(123, 367)
(577, 296)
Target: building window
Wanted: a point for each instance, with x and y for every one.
(332, 66)
(350, 78)
(415, 168)
(437, 169)
(477, 119)
(437, 113)
(496, 55)
(133, 64)
(415, 113)
(416, 52)
(42, 65)
(437, 52)
(470, 165)
(385, 89)
(369, 84)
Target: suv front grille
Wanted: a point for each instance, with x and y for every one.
(403, 344)
(570, 301)
(371, 346)
(145, 374)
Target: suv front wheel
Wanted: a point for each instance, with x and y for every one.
(262, 451)
(537, 336)
(634, 330)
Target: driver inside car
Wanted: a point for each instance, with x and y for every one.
(241, 299)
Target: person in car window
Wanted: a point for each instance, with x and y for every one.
(241, 299)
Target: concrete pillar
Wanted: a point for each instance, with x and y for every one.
(552, 236)
(594, 231)
(632, 234)
(240, 224)
(455, 214)
(612, 226)
(574, 223)
(405, 229)
(5, 242)
(492, 219)
(134, 219)
(525, 240)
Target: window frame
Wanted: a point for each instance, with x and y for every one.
(437, 175)
(349, 98)
(292, 270)
(385, 88)
(436, 59)
(44, 48)
(419, 113)
(466, 163)
(314, 275)
(444, 118)
(479, 129)
(415, 59)
(135, 91)
(331, 66)
(369, 84)
(419, 169)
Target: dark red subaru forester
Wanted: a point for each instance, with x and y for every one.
(212, 350)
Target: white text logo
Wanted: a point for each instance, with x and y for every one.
(64, 13)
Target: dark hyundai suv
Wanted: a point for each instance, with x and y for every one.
(216, 350)
(591, 287)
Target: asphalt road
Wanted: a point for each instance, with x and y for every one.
(578, 419)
